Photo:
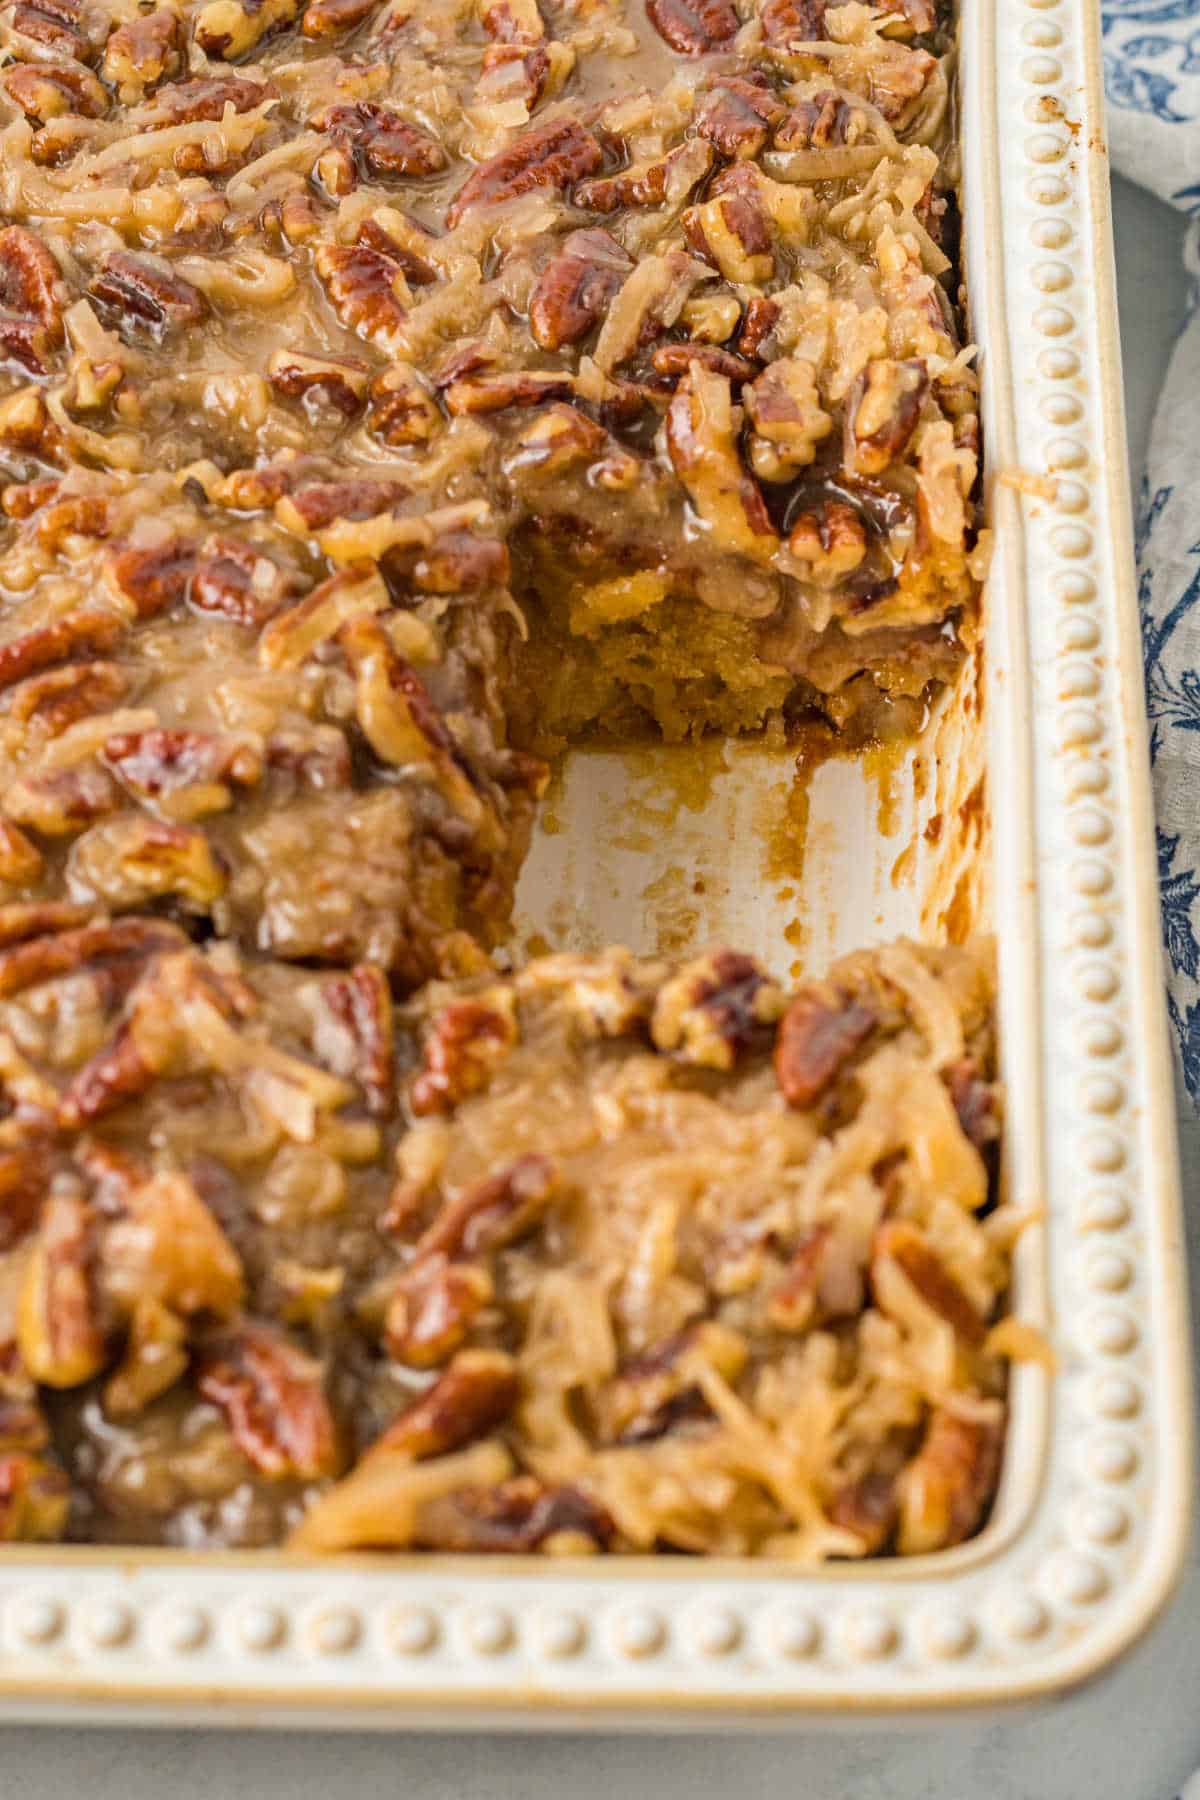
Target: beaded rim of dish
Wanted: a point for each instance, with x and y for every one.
(1088, 1534)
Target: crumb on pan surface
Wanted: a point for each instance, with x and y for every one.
(392, 394)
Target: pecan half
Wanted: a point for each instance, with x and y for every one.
(670, 177)
(401, 412)
(126, 861)
(673, 360)
(143, 50)
(328, 18)
(515, 1517)
(703, 449)
(60, 697)
(144, 295)
(315, 378)
(792, 21)
(759, 321)
(382, 143)
(901, 1245)
(62, 802)
(319, 503)
(55, 24)
(366, 287)
(693, 27)
(35, 1498)
(555, 155)
(715, 1008)
(495, 1212)
(273, 1397)
(228, 28)
(354, 1034)
(738, 115)
(943, 1491)
(45, 939)
(831, 539)
(432, 1309)
(152, 577)
(489, 393)
(59, 1331)
(456, 562)
(50, 90)
(236, 581)
(820, 1032)
(655, 1391)
(476, 1390)
(573, 292)
(33, 295)
(118, 1072)
(883, 409)
(468, 1040)
(206, 97)
(823, 121)
(24, 1178)
(976, 1101)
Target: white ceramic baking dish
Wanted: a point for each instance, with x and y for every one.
(1088, 1532)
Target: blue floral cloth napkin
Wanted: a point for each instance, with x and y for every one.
(1152, 73)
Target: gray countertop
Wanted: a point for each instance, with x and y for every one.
(1133, 1736)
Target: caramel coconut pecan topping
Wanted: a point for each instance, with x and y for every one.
(389, 397)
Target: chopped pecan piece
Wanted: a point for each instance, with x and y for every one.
(273, 1396)
(35, 1498)
(153, 577)
(44, 940)
(575, 288)
(382, 143)
(228, 28)
(402, 725)
(235, 581)
(33, 295)
(495, 1212)
(714, 1009)
(657, 1390)
(50, 90)
(560, 437)
(976, 1101)
(693, 27)
(475, 1391)
(166, 1245)
(456, 562)
(117, 1072)
(315, 378)
(514, 1518)
(738, 116)
(822, 122)
(785, 22)
(55, 25)
(327, 18)
(883, 409)
(354, 1034)
(760, 320)
(789, 421)
(162, 764)
(155, 1357)
(944, 1489)
(318, 504)
(126, 861)
(24, 1179)
(901, 1245)
(670, 177)
(62, 802)
(819, 1033)
(731, 228)
(144, 295)
(206, 97)
(366, 287)
(674, 360)
(702, 444)
(468, 1040)
(144, 50)
(512, 21)
(59, 1332)
(555, 155)
(60, 697)
(868, 1507)
(489, 393)
(401, 412)
(432, 1309)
